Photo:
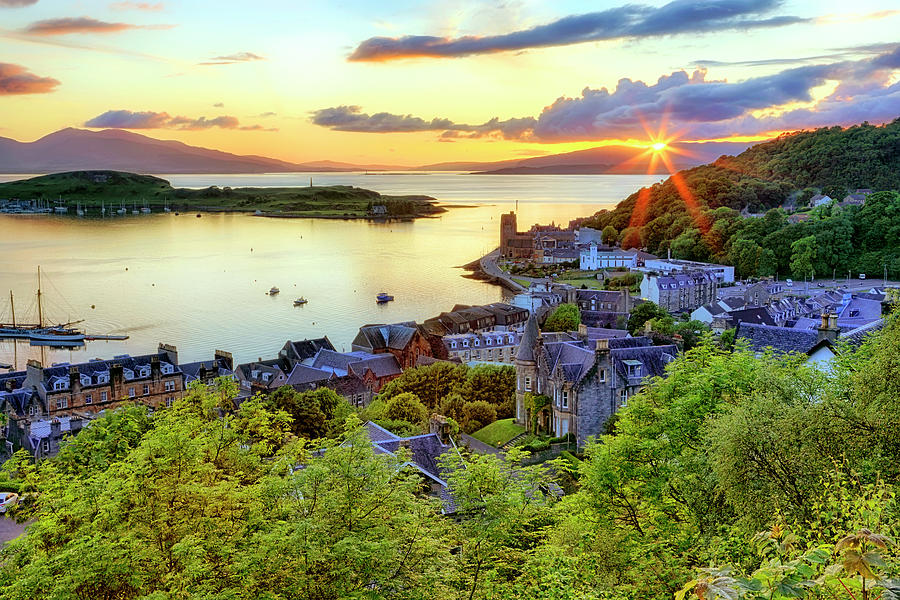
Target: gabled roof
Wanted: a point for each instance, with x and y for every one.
(338, 362)
(381, 365)
(306, 349)
(396, 336)
(782, 339)
(752, 315)
(301, 375)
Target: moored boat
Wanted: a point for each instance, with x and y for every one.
(274, 290)
(383, 297)
(300, 301)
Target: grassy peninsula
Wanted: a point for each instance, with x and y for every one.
(114, 189)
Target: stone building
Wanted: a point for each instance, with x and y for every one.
(682, 291)
(514, 245)
(404, 340)
(573, 383)
(487, 347)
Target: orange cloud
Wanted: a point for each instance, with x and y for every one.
(15, 80)
(69, 25)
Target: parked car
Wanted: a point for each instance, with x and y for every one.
(7, 499)
(862, 275)
(789, 282)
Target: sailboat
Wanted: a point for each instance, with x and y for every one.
(146, 208)
(78, 210)
(53, 335)
(134, 209)
(121, 211)
(167, 205)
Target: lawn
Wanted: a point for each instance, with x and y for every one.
(591, 283)
(499, 432)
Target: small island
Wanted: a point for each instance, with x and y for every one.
(91, 191)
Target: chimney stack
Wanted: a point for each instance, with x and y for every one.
(829, 329)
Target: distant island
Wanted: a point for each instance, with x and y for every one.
(113, 190)
(559, 170)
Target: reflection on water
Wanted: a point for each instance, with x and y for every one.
(201, 284)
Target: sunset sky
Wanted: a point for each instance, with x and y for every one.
(405, 82)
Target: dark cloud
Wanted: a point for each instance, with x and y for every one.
(230, 59)
(126, 119)
(266, 115)
(689, 105)
(15, 80)
(351, 118)
(631, 21)
(835, 54)
(16, 3)
(69, 25)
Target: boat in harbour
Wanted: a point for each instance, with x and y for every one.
(383, 297)
(54, 335)
(274, 290)
(300, 301)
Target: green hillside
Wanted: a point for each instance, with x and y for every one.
(113, 189)
(782, 173)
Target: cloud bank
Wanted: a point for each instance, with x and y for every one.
(351, 118)
(145, 6)
(15, 80)
(689, 105)
(126, 119)
(16, 3)
(70, 25)
(632, 21)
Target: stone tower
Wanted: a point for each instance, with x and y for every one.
(526, 362)
(508, 230)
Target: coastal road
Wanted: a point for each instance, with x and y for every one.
(489, 266)
(816, 286)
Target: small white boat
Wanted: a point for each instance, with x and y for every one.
(300, 301)
(274, 290)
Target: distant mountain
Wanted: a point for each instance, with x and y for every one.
(608, 159)
(118, 150)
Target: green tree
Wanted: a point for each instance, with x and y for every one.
(406, 407)
(803, 257)
(642, 313)
(566, 317)
(610, 235)
(494, 384)
(430, 384)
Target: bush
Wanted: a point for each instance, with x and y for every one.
(11, 486)
(568, 438)
(399, 427)
(478, 414)
(536, 446)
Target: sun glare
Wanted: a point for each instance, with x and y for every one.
(658, 146)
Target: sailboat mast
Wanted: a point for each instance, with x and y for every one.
(12, 305)
(40, 308)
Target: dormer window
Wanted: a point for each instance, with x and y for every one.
(465, 343)
(476, 343)
(488, 341)
(144, 371)
(60, 384)
(85, 379)
(129, 374)
(103, 377)
(166, 368)
(510, 339)
(453, 344)
(266, 376)
(254, 373)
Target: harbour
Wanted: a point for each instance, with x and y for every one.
(201, 284)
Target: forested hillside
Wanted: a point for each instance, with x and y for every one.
(697, 213)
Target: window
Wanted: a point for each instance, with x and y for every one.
(487, 341)
(266, 376)
(62, 402)
(45, 446)
(490, 354)
(59, 384)
(103, 396)
(169, 400)
(453, 344)
(623, 397)
(88, 398)
(510, 339)
(170, 386)
(144, 372)
(103, 378)
(166, 368)
(146, 390)
(129, 374)
(31, 410)
(476, 343)
(565, 399)
(465, 343)
(131, 392)
(528, 383)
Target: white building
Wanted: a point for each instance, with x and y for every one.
(593, 259)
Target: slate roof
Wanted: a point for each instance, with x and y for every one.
(382, 365)
(338, 362)
(303, 375)
(857, 336)
(379, 337)
(752, 315)
(192, 370)
(783, 339)
(94, 368)
(529, 339)
(597, 333)
(734, 302)
(307, 349)
(653, 360)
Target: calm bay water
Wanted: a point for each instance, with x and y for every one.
(201, 284)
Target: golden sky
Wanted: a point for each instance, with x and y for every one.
(405, 83)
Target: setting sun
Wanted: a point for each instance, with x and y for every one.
(658, 146)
